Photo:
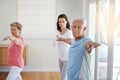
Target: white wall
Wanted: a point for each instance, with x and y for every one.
(72, 8)
(42, 56)
(7, 15)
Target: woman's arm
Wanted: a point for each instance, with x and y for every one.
(66, 40)
(12, 38)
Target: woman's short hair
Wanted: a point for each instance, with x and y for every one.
(16, 24)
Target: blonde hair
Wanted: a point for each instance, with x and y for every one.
(17, 24)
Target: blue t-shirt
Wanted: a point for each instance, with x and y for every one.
(78, 67)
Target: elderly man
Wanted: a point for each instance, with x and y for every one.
(78, 67)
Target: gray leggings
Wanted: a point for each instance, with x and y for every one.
(63, 66)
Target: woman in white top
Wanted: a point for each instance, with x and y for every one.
(64, 31)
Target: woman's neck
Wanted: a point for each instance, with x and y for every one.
(18, 36)
(63, 30)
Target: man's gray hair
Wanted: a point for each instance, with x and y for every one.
(80, 19)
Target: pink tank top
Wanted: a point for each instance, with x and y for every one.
(15, 53)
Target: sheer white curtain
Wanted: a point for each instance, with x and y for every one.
(106, 30)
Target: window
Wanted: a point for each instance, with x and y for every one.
(104, 21)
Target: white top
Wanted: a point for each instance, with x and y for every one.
(63, 48)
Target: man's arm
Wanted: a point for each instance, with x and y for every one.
(90, 45)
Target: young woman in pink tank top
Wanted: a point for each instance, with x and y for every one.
(15, 52)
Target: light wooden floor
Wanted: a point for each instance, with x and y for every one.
(35, 75)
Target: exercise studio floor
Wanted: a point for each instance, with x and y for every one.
(35, 75)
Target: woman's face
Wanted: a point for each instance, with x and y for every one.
(62, 22)
(15, 31)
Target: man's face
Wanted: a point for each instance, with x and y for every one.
(78, 29)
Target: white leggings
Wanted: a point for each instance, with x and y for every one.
(14, 73)
(63, 66)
